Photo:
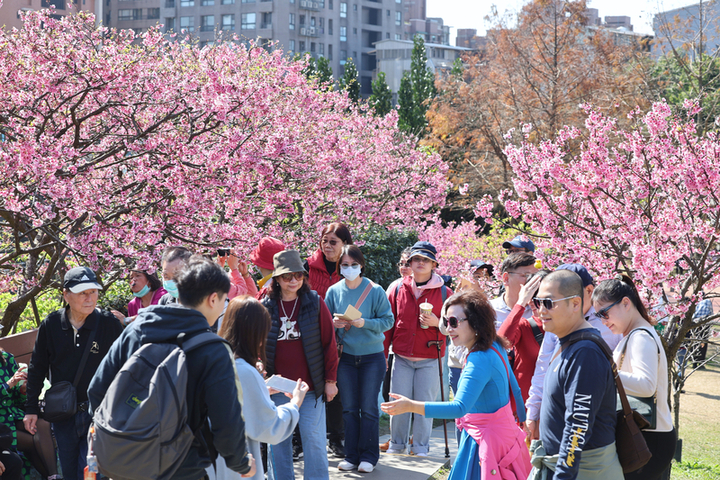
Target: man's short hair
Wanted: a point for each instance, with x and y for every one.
(171, 254)
(569, 283)
(517, 260)
(199, 279)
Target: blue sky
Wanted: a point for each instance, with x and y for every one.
(471, 13)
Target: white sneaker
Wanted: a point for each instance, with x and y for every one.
(422, 454)
(365, 467)
(346, 466)
(395, 450)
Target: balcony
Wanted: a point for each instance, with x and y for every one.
(207, 28)
(266, 25)
(169, 3)
(308, 31)
(310, 5)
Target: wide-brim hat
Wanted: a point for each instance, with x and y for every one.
(521, 241)
(287, 261)
(424, 249)
(79, 279)
(264, 253)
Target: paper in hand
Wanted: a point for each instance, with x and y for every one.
(351, 314)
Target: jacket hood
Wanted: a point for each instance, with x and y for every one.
(163, 323)
(435, 281)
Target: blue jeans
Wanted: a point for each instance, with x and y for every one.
(313, 434)
(419, 380)
(71, 436)
(455, 373)
(359, 380)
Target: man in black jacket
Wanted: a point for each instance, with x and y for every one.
(61, 342)
(212, 389)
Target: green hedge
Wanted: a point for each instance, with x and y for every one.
(382, 249)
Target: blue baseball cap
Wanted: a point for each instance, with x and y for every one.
(521, 241)
(585, 276)
(478, 264)
(424, 249)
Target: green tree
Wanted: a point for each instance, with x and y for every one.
(457, 69)
(381, 98)
(422, 86)
(323, 70)
(349, 81)
(405, 103)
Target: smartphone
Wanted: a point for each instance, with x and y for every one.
(223, 252)
(281, 384)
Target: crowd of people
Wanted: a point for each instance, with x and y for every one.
(306, 351)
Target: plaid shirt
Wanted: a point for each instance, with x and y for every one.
(703, 309)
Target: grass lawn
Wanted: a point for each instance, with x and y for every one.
(700, 426)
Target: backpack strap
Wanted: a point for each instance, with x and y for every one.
(537, 333)
(88, 347)
(443, 293)
(513, 405)
(198, 340)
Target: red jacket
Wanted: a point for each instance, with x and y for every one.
(519, 333)
(320, 280)
(406, 336)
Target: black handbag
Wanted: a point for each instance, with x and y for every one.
(61, 397)
(645, 406)
(6, 437)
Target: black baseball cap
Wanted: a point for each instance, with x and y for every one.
(79, 279)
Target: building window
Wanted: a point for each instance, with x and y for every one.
(187, 3)
(247, 1)
(322, 49)
(248, 21)
(125, 14)
(343, 10)
(354, 31)
(355, 7)
(207, 3)
(388, 13)
(387, 35)
(398, 36)
(227, 2)
(343, 34)
(169, 23)
(266, 20)
(330, 29)
(302, 20)
(153, 13)
(330, 4)
(312, 22)
(292, 46)
(207, 23)
(302, 45)
(312, 47)
(291, 23)
(228, 22)
(330, 52)
(187, 23)
(398, 18)
(343, 57)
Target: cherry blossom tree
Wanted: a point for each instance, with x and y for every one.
(642, 201)
(114, 146)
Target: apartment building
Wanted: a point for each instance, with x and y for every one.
(334, 29)
(11, 9)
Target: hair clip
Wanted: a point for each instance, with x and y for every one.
(618, 277)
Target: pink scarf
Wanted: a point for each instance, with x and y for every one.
(501, 444)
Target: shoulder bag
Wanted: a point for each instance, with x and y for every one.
(360, 301)
(630, 444)
(61, 398)
(645, 406)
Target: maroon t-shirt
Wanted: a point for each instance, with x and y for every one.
(290, 361)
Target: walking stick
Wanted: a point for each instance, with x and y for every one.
(442, 393)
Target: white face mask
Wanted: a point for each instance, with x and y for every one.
(351, 272)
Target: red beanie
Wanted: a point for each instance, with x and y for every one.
(263, 254)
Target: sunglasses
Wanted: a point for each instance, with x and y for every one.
(452, 321)
(286, 277)
(331, 242)
(549, 303)
(603, 313)
(403, 264)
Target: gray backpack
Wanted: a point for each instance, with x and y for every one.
(140, 428)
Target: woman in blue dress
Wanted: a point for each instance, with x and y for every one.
(492, 445)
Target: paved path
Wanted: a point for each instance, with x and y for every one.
(400, 467)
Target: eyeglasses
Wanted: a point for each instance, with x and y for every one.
(526, 275)
(325, 241)
(549, 303)
(403, 264)
(420, 259)
(452, 321)
(286, 277)
(603, 313)
(515, 250)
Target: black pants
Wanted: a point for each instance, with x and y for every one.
(334, 420)
(662, 447)
(13, 465)
(386, 381)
